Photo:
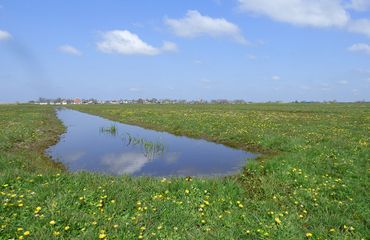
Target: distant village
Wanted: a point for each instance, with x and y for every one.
(61, 101)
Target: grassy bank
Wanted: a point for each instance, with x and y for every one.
(312, 182)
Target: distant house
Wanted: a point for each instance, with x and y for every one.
(77, 101)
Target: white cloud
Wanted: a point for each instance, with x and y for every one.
(169, 46)
(70, 50)
(127, 43)
(360, 26)
(359, 5)
(316, 13)
(276, 77)
(125, 163)
(194, 24)
(360, 47)
(4, 35)
(344, 82)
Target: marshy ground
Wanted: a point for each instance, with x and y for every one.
(311, 182)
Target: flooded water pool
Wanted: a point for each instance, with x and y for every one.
(95, 144)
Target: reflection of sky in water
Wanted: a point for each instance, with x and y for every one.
(85, 148)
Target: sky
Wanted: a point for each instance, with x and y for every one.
(255, 50)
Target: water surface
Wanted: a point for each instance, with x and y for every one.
(90, 144)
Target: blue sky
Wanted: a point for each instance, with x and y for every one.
(256, 50)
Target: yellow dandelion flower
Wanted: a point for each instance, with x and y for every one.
(26, 233)
(102, 235)
(66, 228)
(277, 220)
(309, 235)
(52, 222)
(332, 230)
(20, 237)
(56, 233)
(19, 229)
(115, 225)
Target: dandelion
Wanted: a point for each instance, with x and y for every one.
(309, 235)
(56, 233)
(52, 222)
(277, 220)
(26, 233)
(102, 236)
(66, 228)
(187, 191)
(332, 230)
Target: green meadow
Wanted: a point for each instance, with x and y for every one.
(311, 180)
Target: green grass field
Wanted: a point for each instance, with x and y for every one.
(312, 181)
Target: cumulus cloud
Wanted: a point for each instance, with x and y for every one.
(360, 47)
(359, 5)
(316, 13)
(275, 77)
(125, 163)
(195, 24)
(4, 35)
(360, 26)
(127, 43)
(70, 50)
(313, 13)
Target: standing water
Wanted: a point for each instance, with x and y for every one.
(95, 144)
